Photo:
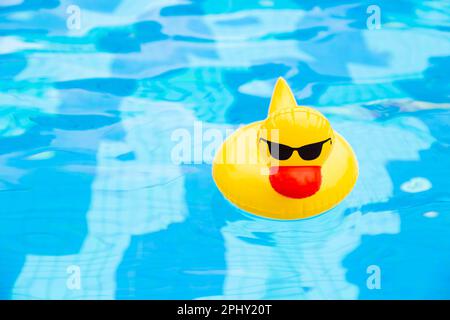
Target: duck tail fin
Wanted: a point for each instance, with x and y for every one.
(282, 97)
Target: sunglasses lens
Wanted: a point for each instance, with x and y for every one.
(311, 152)
(283, 152)
(280, 151)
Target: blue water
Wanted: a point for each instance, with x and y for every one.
(94, 207)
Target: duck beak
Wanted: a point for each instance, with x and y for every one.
(296, 181)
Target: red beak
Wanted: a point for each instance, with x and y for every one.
(297, 181)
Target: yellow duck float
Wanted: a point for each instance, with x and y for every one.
(292, 165)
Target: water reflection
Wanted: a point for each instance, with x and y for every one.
(133, 176)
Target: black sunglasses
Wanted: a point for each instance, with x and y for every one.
(308, 152)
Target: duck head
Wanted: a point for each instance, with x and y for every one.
(294, 142)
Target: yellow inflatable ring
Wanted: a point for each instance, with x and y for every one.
(292, 165)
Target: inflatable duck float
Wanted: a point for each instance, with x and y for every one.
(292, 165)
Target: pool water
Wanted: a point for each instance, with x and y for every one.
(93, 205)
